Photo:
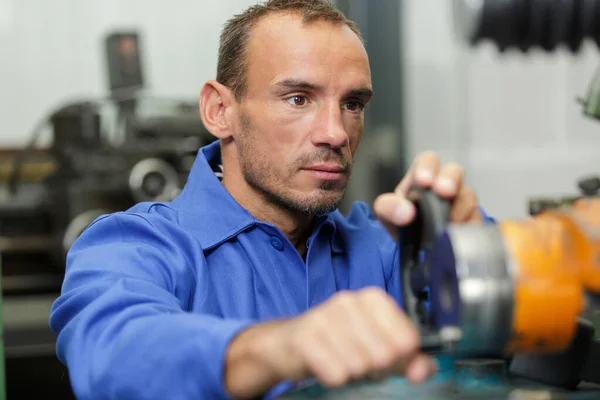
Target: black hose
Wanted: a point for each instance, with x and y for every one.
(529, 24)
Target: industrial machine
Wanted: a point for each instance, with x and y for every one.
(106, 155)
(506, 307)
(520, 290)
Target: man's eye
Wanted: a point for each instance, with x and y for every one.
(298, 101)
(353, 106)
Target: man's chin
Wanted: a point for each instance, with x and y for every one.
(335, 187)
(323, 202)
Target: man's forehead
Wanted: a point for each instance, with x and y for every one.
(287, 27)
(282, 45)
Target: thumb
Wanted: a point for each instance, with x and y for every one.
(393, 211)
(417, 369)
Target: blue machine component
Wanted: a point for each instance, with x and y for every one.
(457, 379)
(445, 297)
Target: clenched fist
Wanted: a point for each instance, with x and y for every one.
(353, 335)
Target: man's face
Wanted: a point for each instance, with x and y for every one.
(302, 117)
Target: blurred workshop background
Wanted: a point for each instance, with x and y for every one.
(98, 111)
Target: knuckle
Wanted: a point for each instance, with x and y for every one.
(407, 344)
(373, 293)
(359, 367)
(345, 299)
(335, 378)
(389, 359)
(298, 343)
(317, 323)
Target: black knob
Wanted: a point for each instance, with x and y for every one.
(589, 186)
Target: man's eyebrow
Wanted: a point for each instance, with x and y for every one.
(365, 93)
(297, 84)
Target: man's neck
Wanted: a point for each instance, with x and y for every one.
(297, 227)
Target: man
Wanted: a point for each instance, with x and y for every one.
(240, 287)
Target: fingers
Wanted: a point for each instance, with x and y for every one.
(449, 181)
(422, 172)
(419, 368)
(325, 362)
(466, 206)
(360, 345)
(398, 335)
(393, 211)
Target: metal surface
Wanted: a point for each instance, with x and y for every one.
(567, 369)
(144, 170)
(416, 240)
(485, 287)
(480, 373)
(488, 383)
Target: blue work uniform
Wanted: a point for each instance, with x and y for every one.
(153, 296)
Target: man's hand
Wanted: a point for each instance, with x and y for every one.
(353, 335)
(394, 210)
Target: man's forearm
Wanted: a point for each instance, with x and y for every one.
(126, 344)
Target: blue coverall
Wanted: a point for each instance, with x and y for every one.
(152, 296)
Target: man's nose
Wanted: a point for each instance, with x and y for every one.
(330, 129)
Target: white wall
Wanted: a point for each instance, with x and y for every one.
(52, 51)
(512, 120)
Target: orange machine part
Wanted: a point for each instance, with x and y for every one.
(585, 219)
(547, 254)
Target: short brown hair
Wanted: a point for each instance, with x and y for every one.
(232, 65)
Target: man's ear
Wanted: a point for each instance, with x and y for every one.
(215, 99)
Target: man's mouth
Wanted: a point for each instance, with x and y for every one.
(327, 167)
(327, 171)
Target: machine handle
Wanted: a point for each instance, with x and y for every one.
(416, 240)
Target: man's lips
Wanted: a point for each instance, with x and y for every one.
(334, 168)
(327, 171)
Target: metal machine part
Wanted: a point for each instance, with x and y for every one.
(589, 186)
(464, 272)
(473, 290)
(491, 285)
(153, 179)
(416, 239)
(528, 24)
(78, 181)
(565, 369)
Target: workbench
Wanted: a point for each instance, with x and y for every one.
(450, 383)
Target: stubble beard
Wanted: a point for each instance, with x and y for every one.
(259, 176)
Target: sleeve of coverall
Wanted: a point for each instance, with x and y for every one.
(123, 331)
